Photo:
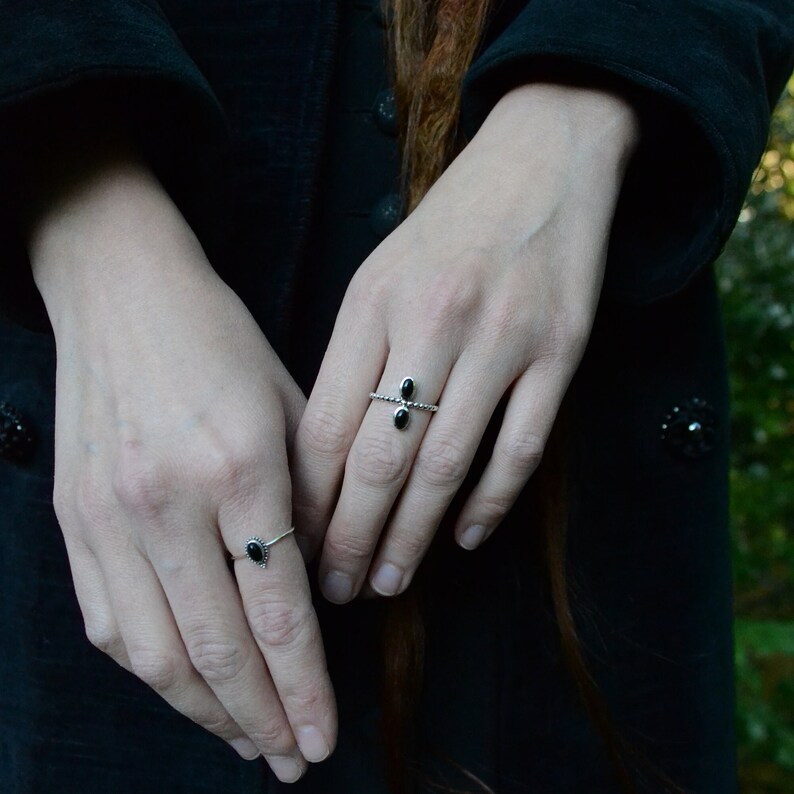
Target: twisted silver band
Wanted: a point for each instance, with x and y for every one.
(406, 403)
(258, 550)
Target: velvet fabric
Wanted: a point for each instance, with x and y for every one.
(258, 117)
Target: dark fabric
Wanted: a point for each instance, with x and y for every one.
(282, 170)
(704, 76)
(58, 54)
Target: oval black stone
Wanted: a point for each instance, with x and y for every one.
(255, 551)
(407, 388)
(401, 417)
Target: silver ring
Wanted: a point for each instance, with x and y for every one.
(401, 415)
(258, 550)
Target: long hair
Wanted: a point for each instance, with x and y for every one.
(431, 44)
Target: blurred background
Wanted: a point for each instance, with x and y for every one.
(756, 278)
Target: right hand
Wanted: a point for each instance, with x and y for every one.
(173, 419)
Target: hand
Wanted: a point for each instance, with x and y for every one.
(173, 417)
(489, 286)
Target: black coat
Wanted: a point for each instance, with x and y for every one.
(269, 129)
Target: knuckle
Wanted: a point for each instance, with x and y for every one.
(449, 298)
(378, 460)
(141, 489)
(278, 624)
(219, 724)
(440, 462)
(90, 502)
(160, 669)
(216, 660)
(104, 636)
(495, 505)
(409, 546)
(370, 287)
(273, 737)
(507, 317)
(307, 702)
(567, 336)
(348, 548)
(230, 467)
(322, 432)
(521, 452)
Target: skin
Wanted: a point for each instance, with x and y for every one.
(179, 433)
(500, 268)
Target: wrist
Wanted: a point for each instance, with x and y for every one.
(591, 120)
(107, 237)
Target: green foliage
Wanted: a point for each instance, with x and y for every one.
(756, 276)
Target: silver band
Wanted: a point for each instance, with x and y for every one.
(406, 403)
(258, 550)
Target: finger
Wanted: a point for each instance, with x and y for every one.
(278, 607)
(529, 416)
(377, 466)
(93, 598)
(155, 651)
(445, 454)
(206, 605)
(355, 358)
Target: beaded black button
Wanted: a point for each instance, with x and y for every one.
(16, 436)
(690, 428)
(385, 215)
(385, 112)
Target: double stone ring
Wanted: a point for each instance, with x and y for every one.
(401, 415)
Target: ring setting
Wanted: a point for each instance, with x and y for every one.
(402, 415)
(258, 550)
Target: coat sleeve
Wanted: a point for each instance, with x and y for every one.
(123, 57)
(703, 75)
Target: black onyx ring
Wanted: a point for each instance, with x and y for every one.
(258, 550)
(401, 415)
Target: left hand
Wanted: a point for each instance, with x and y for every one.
(491, 284)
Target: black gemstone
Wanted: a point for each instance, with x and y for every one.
(407, 388)
(16, 436)
(690, 429)
(401, 417)
(256, 551)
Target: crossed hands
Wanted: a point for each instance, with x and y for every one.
(180, 435)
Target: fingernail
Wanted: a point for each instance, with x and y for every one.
(286, 769)
(245, 748)
(472, 537)
(338, 587)
(312, 744)
(387, 579)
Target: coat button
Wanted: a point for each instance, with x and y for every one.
(690, 428)
(385, 112)
(16, 435)
(386, 215)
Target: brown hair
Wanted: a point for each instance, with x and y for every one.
(431, 44)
